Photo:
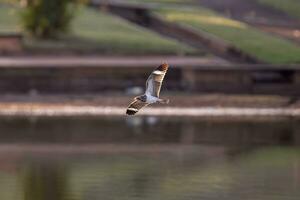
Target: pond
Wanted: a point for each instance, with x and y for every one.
(155, 158)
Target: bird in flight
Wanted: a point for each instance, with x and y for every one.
(151, 95)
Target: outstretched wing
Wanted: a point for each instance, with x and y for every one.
(135, 106)
(155, 80)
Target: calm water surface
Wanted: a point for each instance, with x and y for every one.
(149, 158)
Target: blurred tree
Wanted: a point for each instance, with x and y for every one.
(47, 18)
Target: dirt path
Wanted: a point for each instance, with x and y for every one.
(260, 16)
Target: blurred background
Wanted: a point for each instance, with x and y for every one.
(70, 68)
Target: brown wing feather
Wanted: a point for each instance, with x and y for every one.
(154, 82)
(135, 106)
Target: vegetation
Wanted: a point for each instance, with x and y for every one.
(120, 36)
(8, 19)
(261, 45)
(48, 18)
(92, 30)
(292, 7)
(10, 1)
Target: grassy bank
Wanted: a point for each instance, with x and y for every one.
(261, 45)
(291, 7)
(9, 19)
(119, 36)
(97, 32)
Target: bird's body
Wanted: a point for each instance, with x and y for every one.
(152, 99)
(148, 98)
(153, 86)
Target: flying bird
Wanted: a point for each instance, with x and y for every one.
(153, 86)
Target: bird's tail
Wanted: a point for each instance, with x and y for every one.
(164, 101)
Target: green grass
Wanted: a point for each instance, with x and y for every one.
(9, 1)
(292, 7)
(96, 32)
(118, 35)
(264, 46)
(8, 19)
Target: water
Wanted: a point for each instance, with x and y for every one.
(149, 158)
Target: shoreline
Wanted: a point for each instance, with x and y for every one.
(185, 105)
(73, 110)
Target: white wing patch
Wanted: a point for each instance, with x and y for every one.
(133, 109)
(157, 72)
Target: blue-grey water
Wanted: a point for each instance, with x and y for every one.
(115, 158)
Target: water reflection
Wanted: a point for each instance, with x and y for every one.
(166, 158)
(44, 180)
(143, 130)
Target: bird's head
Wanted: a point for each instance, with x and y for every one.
(163, 67)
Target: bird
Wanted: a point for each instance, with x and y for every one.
(151, 95)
